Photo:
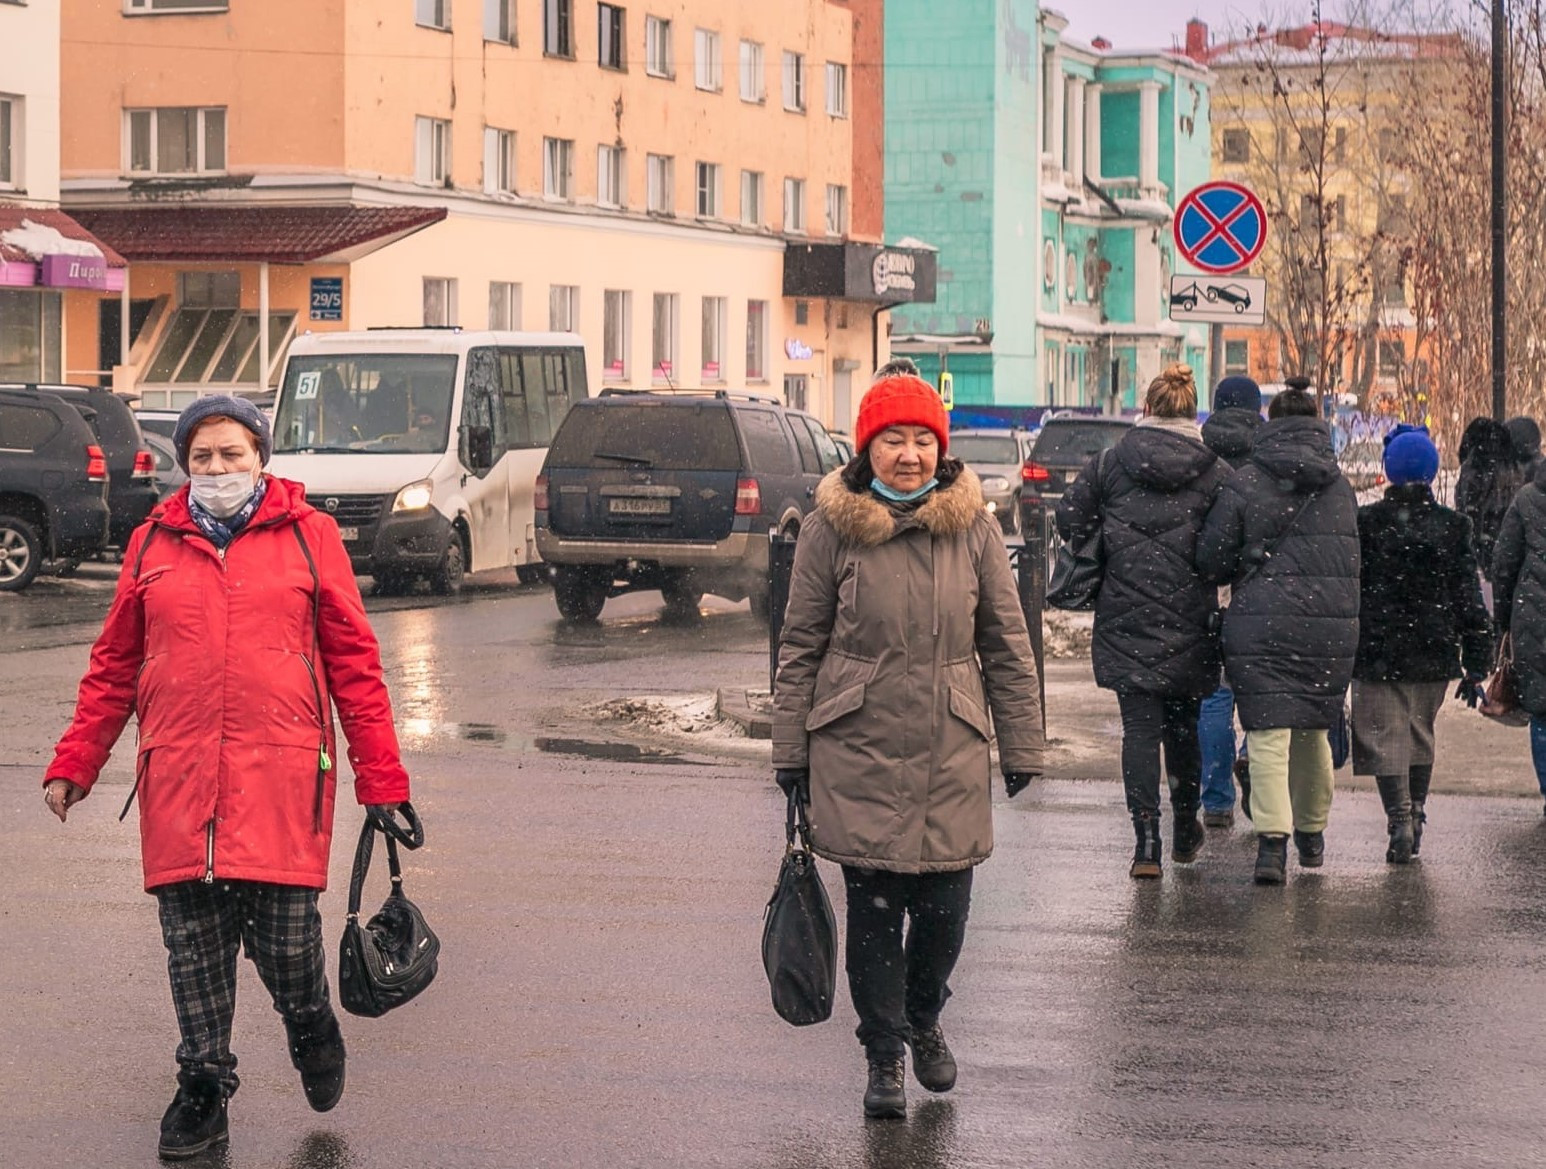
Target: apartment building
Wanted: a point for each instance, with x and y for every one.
(674, 180)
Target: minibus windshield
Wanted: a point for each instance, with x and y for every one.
(375, 403)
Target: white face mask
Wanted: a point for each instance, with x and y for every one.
(222, 495)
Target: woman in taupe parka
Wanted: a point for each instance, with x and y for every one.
(903, 630)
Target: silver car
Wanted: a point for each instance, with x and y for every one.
(996, 456)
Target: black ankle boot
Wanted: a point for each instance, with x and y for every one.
(1402, 841)
(1271, 860)
(1419, 818)
(195, 1120)
(1186, 835)
(1312, 848)
(885, 1098)
(1146, 857)
(317, 1051)
(933, 1064)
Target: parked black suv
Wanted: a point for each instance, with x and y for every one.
(674, 491)
(53, 485)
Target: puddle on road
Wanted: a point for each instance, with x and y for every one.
(422, 729)
(611, 752)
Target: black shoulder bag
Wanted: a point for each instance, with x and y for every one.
(799, 933)
(1075, 580)
(392, 957)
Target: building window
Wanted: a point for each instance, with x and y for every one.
(751, 198)
(1070, 276)
(661, 195)
(802, 312)
(498, 161)
(10, 140)
(610, 36)
(504, 305)
(558, 168)
(837, 210)
(708, 62)
(210, 340)
(616, 334)
(1237, 357)
(657, 47)
(663, 336)
(794, 82)
(141, 7)
(794, 206)
(499, 21)
(837, 89)
(754, 82)
(715, 324)
(611, 177)
(431, 152)
(796, 390)
(440, 300)
(708, 190)
(756, 340)
(177, 140)
(1392, 357)
(1235, 146)
(558, 28)
(432, 13)
(563, 308)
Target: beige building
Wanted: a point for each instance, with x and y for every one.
(639, 174)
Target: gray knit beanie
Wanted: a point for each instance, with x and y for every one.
(222, 406)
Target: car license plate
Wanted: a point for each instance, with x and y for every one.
(630, 506)
(349, 534)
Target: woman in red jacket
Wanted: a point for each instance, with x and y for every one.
(236, 625)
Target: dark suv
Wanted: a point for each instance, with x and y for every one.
(53, 485)
(674, 491)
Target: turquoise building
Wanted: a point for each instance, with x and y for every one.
(1044, 171)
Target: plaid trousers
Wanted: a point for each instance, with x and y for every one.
(203, 926)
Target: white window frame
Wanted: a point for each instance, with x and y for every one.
(708, 60)
(13, 153)
(716, 324)
(431, 151)
(504, 305)
(709, 186)
(754, 73)
(754, 185)
(756, 340)
(665, 318)
(837, 209)
(616, 324)
(558, 169)
(498, 161)
(794, 206)
(621, 41)
(660, 172)
(434, 14)
(152, 116)
(657, 48)
(837, 89)
(563, 308)
(444, 288)
(558, 32)
(499, 21)
(794, 82)
(173, 8)
(611, 176)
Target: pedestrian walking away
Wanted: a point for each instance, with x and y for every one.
(1421, 625)
(1519, 600)
(1489, 479)
(1283, 535)
(1525, 434)
(903, 630)
(1155, 642)
(1229, 432)
(235, 628)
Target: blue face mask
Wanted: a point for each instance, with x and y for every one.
(896, 496)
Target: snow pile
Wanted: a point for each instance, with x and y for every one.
(38, 241)
(1067, 635)
(681, 714)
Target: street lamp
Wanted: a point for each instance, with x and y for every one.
(1499, 212)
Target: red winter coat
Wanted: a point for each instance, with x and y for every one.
(231, 663)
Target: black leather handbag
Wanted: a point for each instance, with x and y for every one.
(395, 955)
(1075, 579)
(799, 933)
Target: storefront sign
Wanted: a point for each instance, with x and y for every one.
(861, 272)
(797, 350)
(327, 298)
(893, 272)
(74, 272)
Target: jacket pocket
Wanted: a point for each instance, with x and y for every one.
(969, 712)
(830, 710)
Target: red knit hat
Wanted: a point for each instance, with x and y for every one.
(901, 400)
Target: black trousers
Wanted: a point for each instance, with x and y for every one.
(204, 926)
(1149, 721)
(898, 986)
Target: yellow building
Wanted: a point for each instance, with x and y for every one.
(639, 175)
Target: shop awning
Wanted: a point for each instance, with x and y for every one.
(47, 248)
(872, 273)
(177, 233)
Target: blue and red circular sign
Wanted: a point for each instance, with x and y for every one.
(1220, 227)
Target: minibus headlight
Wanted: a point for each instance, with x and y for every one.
(414, 497)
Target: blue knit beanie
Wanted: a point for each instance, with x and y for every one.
(222, 406)
(1237, 392)
(1410, 456)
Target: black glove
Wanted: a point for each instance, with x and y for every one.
(1471, 690)
(1016, 782)
(795, 779)
(384, 817)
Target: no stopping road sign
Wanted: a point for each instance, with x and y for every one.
(1220, 227)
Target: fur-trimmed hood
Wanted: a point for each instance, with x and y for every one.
(861, 519)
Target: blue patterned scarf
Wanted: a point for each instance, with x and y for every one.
(221, 532)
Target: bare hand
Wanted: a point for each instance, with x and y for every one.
(61, 795)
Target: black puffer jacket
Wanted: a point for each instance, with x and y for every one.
(1488, 481)
(1230, 434)
(1519, 589)
(1421, 616)
(1291, 630)
(1148, 496)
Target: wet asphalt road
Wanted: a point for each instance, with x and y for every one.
(601, 1001)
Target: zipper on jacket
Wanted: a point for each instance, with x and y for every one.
(324, 760)
(139, 774)
(209, 853)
